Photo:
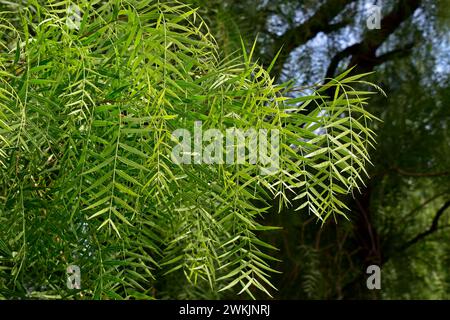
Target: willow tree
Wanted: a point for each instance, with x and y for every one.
(89, 98)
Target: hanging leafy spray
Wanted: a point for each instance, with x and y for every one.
(88, 107)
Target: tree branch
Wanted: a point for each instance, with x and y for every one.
(420, 174)
(423, 204)
(319, 22)
(364, 53)
(433, 227)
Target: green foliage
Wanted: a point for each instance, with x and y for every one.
(86, 122)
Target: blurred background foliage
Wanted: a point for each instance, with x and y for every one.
(400, 220)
